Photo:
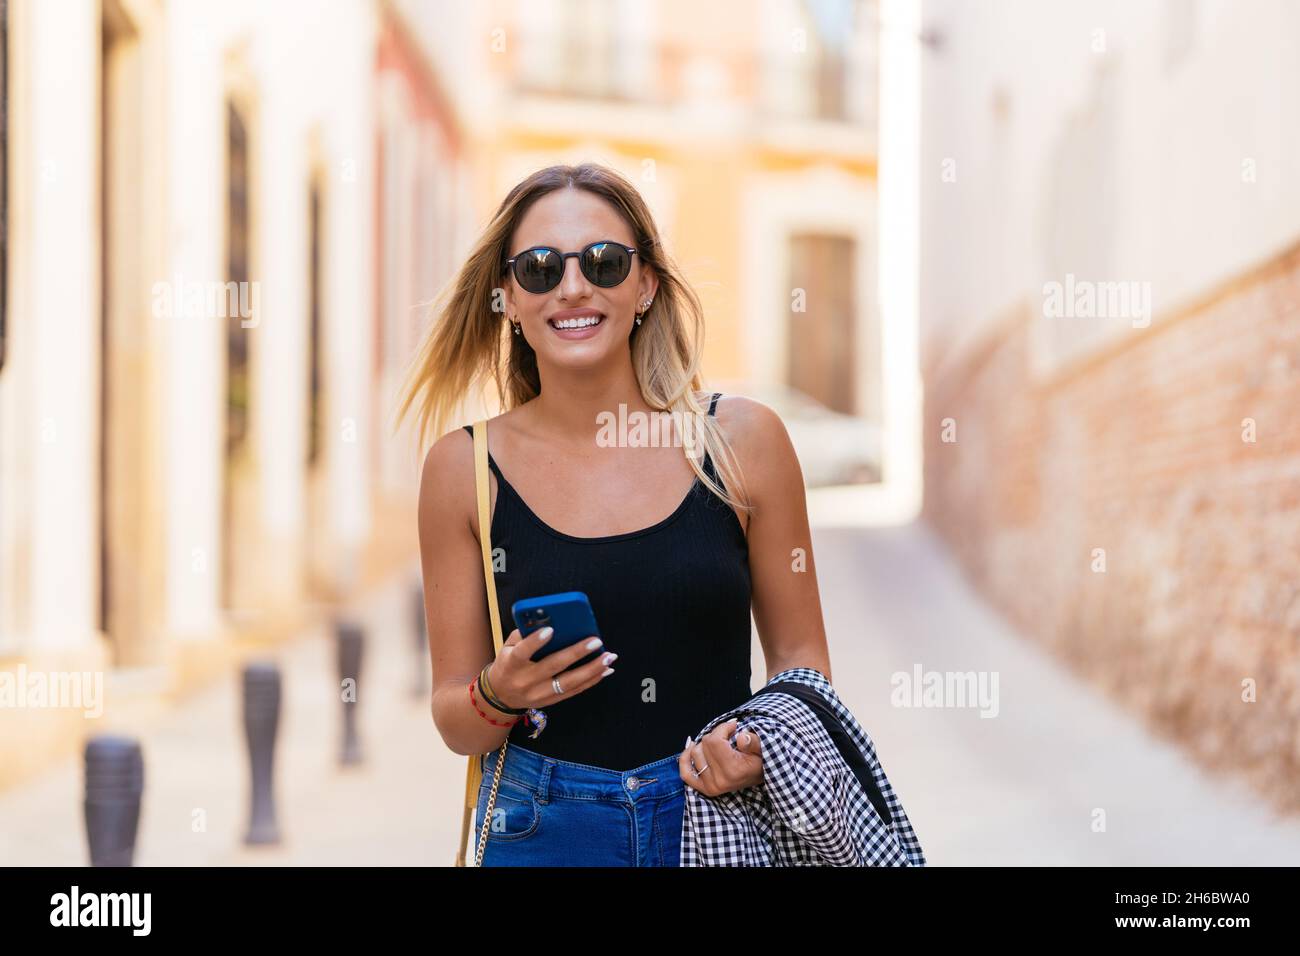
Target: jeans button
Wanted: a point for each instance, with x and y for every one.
(632, 783)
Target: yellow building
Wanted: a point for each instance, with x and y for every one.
(749, 126)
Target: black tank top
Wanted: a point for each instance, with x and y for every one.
(672, 600)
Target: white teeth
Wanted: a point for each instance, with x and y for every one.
(579, 323)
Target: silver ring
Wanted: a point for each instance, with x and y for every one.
(555, 686)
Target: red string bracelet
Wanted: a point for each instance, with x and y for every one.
(497, 723)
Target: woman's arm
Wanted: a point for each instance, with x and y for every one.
(455, 601)
(787, 606)
(455, 607)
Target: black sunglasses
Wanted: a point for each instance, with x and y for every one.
(541, 268)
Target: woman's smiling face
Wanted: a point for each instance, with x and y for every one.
(570, 219)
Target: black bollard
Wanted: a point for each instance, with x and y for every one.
(261, 722)
(350, 638)
(114, 786)
(420, 687)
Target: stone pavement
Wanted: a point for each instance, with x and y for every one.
(398, 808)
(1019, 788)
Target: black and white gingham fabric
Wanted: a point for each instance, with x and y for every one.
(810, 809)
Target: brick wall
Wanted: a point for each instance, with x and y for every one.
(1139, 451)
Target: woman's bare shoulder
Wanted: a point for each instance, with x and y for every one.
(759, 439)
(445, 457)
(747, 421)
(447, 481)
(453, 452)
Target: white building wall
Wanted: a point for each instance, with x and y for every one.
(281, 335)
(195, 418)
(15, 440)
(310, 74)
(349, 268)
(1200, 87)
(60, 426)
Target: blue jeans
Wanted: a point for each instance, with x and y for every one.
(555, 813)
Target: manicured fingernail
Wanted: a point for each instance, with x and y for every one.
(687, 744)
(545, 633)
(607, 672)
(609, 658)
(594, 643)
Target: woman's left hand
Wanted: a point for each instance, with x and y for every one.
(729, 768)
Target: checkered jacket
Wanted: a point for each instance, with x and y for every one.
(810, 810)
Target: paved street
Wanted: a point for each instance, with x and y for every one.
(397, 809)
(1019, 788)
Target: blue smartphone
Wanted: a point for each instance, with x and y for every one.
(568, 612)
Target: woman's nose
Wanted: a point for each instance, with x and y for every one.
(573, 283)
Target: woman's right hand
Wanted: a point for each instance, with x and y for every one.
(519, 681)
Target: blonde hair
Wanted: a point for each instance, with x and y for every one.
(463, 349)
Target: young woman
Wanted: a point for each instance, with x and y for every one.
(673, 544)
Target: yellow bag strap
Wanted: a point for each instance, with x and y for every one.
(474, 772)
(485, 526)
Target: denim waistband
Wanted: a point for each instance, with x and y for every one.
(548, 777)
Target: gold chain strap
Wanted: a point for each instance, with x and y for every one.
(492, 799)
(485, 534)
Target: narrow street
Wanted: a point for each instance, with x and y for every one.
(1017, 788)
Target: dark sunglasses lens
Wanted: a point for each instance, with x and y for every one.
(606, 264)
(538, 270)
